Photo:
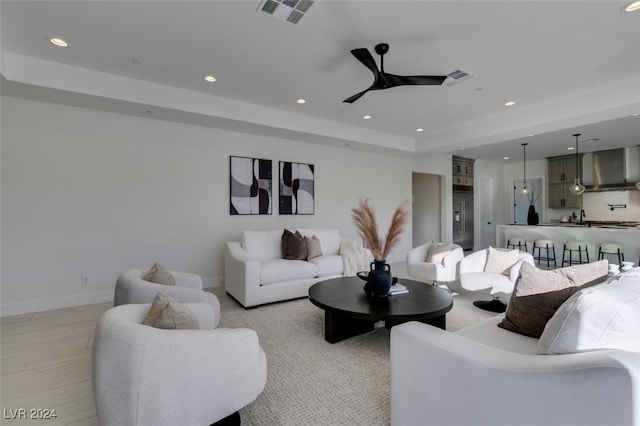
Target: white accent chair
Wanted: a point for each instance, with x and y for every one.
(148, 376)
(131, 288)
(498, 379)
(474, 278)
(417, 265)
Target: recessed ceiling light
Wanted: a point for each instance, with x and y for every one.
(301, 101)
(506, 158)
(419, 129)
(632, 7)
(570, 148)
(209, 78)
(636, 114)
(56, 41)
(509, 103)
(366, 117)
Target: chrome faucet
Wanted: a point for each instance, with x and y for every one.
(582, 215)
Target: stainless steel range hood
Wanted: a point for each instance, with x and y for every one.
(611, 170)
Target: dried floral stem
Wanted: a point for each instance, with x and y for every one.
(365, 220)
(399, 220)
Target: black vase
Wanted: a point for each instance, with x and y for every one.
(379, 279)
(532, 216)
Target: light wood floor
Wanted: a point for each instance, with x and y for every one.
(46, 363)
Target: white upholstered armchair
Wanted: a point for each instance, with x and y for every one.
(131, 288)
(476, 274)
(148, 376)
(443, 266)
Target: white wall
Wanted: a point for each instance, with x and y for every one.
(92, 193)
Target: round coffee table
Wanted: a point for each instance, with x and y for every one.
(349, 311)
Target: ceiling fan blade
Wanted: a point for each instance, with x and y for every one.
(355, 97)
(414, 80)
(364, 56)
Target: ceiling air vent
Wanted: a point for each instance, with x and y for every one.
(457, 76)
(285, 10)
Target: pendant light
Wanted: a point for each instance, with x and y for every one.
(577, 188)
(525, 191)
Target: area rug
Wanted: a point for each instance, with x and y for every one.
(313, 382)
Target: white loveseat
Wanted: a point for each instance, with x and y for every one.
(486, 375)
(256, 273)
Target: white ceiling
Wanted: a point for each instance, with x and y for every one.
(566, 64)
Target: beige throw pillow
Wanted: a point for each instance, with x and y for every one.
(438, 251)
(537, 294)
(167, 313)
(159, 275)
(314, 249)
(500, 262)
(293, 246)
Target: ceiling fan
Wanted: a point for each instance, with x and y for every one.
(385, 80)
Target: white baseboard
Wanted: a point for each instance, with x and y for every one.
(38, 305)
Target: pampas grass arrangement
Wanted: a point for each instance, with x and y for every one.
(364, 218)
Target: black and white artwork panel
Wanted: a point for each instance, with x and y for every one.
(250, 186)
(296, 188)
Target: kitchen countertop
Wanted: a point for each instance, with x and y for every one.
(627, 235)
(618, 225)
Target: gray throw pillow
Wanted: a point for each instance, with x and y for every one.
(314, 249)
(293, 246)
(537, 294)
(159, 275)
(169, 314)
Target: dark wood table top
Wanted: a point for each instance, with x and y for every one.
(346, 296)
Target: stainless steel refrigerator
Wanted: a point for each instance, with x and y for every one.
(463, 219)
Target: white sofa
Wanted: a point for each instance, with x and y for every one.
(256, 273)
(486, 375)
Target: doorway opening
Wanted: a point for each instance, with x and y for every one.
(426, 212)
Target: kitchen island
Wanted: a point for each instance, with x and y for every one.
(628, 236)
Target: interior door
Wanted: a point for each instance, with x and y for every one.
(486, 198)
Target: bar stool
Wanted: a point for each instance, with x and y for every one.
(575, 246)
(611, 248)
(544, 245)
(517, 242)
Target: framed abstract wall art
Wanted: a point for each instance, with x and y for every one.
(250, 186)
(296, 188)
